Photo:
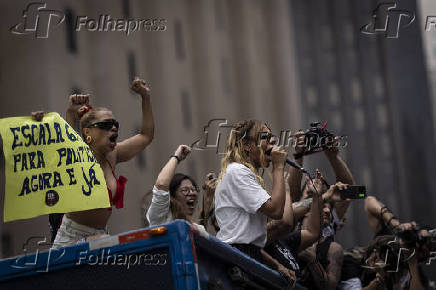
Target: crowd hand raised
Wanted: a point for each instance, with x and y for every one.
(300, 144)
(210, 183)
(333, 194)
(77, 101)
(182, 151)
(407, 226)
(139, 86)
(278, 156)
(37, 116)
(316, 186)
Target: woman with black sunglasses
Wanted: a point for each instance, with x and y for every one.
(99, 129)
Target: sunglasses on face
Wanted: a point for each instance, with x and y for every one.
(269, 137)
(187, 190)
(105, 125)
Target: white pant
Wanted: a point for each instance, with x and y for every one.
(71, 233)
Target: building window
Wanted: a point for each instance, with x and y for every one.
(131, 63)
(385, 145)
(349, 34)
(126, 8)
(334, 95)
(382, 115)
(356, 91)
(226, 78)
(71, 33)
(366, 177)
(179, 40)
(378, 86)
(336, 120)
(219, 14)
(327, 37)
(359, 119)
(186, 109)
(311, 96)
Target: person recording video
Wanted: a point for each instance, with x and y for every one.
(393, 258)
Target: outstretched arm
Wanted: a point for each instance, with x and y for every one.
(159, 208)
(378, 213)
(130, 147)
(75, 103)
(312, 232)
(343, 174)
(295, 175)
(167, 173)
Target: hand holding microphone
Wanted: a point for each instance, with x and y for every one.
(278, 157)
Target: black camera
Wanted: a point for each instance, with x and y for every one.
(413, 237)
(317, 139)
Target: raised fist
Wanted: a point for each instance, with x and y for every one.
(182, 151)
(76, 101)
(139, 86)
(37, 116)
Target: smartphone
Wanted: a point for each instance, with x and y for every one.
(354, 192)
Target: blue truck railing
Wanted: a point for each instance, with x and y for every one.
(170, 256)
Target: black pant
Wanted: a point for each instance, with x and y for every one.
(251, 250)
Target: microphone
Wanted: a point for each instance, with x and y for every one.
(291, 163)
(295, 165)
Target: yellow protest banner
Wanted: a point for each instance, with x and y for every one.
(48, 169)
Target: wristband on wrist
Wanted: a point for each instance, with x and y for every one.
(177, 157)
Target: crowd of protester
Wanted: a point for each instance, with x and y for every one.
(290, 227)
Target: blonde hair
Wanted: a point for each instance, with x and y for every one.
(235, 152)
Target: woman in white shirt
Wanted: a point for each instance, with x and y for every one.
(174, 195)
(242, 205)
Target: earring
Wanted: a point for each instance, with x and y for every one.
(88, 139)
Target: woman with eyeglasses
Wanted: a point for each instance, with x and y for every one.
(242, 204)
(99, 129)
(175, 195)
